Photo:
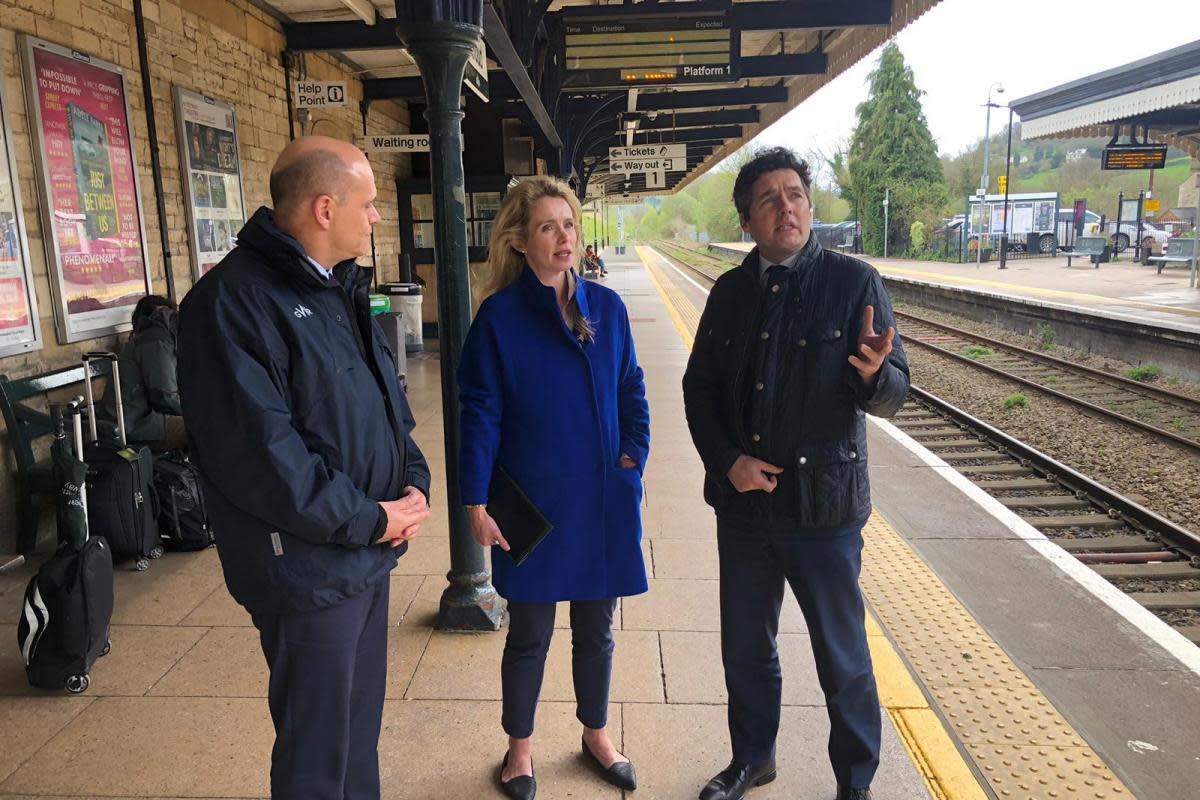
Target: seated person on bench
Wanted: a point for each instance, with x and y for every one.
(593, 262)
(149, 389)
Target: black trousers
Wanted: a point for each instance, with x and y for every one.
(328, 674)
(823, 574)
(530, 627)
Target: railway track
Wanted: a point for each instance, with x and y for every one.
(1160, 412)
(1154, 560)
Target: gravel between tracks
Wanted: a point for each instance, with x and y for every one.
(1160, 476)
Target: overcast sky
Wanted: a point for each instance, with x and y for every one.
(960, 47)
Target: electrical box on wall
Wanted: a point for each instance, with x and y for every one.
(518, 149)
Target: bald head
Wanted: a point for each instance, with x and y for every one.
(323, 191)
(309, 167)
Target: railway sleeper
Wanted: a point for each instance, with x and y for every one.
(1168, 571)
(1045, 501)
(1098, 521)
(1107, 544)
(1167, 600)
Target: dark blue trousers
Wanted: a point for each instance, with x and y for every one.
(823, 573)
(530, 627)
(328, 673)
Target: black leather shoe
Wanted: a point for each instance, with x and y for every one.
(619, 773)
(522, 787)
(732, 782)
(846, 793)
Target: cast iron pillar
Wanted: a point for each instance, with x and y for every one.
(441, 49)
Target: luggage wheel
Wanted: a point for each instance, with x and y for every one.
(142, 564)
(156, 552)
(107, 648)
(78, 684)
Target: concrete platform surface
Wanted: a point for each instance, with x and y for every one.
(178, 708)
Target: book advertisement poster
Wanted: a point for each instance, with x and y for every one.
(92, 212)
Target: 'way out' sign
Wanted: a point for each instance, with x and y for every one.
(319, 94)
(398, 143)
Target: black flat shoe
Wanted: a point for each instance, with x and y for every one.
(522, 787)
(732, 782)
(619, 773)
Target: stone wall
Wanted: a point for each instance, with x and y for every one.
(227, 49)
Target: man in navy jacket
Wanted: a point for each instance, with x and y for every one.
(788, 358)
(300, 429)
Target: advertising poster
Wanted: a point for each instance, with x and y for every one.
(208, 154)
(93, 216)
(19, 331)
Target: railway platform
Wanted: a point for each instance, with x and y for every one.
(1006, 668)
(1122, 290)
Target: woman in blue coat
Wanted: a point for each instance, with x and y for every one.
(552, 393)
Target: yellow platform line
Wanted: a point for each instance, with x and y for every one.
(1016, 739)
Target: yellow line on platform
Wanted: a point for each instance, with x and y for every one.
(933, 752)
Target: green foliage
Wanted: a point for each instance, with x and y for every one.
(892, 149)
(1144, 373)
(1046, 336)
(1016, 401)
(916, 236)
(978, 351)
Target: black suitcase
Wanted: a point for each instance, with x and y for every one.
(182, 517)
(123, 507)
(64, 624)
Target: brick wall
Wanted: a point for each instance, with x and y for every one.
(227, 49)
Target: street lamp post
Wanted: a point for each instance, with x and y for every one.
(985, 219)
(1007, 165)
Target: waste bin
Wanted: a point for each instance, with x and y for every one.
(406, 298)
(392, 323)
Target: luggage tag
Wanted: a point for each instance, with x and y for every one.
(129, 454)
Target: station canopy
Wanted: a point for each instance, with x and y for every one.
(586, 77)
(1157, 98)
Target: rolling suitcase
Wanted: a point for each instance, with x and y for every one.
(182, 517)
(65, 617)
(123, 507)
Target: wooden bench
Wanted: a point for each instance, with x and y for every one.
(1179, 251)
(25, 426)
(1094, 247)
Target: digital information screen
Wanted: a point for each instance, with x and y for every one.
(1134, 156)
(698, 48)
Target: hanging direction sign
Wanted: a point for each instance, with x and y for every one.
(648, 151)
(656, 179)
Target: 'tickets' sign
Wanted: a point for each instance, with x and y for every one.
(92, 214)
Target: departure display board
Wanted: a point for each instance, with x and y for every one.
(659, 48)
(1134, 156)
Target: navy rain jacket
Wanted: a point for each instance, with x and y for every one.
(297, 421)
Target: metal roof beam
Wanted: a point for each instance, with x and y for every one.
(712, 98)
(324, 36)
(497, 38)
(794, 15)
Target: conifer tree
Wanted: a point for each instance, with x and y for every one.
(891, 148)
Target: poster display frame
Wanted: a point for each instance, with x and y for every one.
(188, 170)
(118, 320)
(8, 160)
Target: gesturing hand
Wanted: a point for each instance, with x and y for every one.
(873, 348)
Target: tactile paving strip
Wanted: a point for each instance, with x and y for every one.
(1018, 741)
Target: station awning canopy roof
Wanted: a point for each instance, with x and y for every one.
(1160, 93)
(586, 75)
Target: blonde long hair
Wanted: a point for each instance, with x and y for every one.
(511, 228)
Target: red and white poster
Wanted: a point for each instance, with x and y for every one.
(19, 330)
(92, 215)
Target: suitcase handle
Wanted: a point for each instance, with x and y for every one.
(99, 355)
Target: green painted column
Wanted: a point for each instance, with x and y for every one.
(441, 49)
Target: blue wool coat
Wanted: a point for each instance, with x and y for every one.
(557, 415)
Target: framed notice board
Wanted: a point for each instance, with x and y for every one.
(19, 329)
(212, 176)
(93, 225)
